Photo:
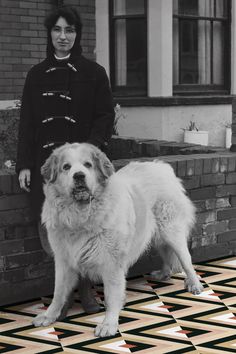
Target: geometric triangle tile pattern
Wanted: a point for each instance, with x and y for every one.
(158, 317)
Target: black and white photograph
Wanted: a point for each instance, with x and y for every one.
(118, 176)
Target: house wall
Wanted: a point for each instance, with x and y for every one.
(167, 123)
(164, 122)
(23, 44)
(26, 272)
(23, 39)
(159, 36)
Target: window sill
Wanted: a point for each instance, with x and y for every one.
(173, 100)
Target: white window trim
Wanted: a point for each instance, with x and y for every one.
(159, 27)
(233, 48)
(102, 34)
(160, 69)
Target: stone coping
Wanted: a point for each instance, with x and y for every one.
(175, 158)
(224, 154)
(122, 147)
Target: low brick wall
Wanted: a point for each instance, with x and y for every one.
(210, 179)
(26, 272)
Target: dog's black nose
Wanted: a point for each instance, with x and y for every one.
(79, 176)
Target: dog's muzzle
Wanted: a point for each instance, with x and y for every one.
(80, 190)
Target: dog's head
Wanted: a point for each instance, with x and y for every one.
(77, 171)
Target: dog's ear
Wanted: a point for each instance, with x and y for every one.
(50, 168)
(103, 164)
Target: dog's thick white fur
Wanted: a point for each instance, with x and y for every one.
(99, 222)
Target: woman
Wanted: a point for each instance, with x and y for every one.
(66, 98)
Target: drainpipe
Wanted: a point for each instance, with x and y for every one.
(233, 146)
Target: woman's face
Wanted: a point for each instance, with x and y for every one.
(63, 37)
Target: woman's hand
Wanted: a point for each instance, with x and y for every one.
(24, 179)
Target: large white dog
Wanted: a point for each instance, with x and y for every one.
(99, 222)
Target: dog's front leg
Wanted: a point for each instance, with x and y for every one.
(65, 281)
(114, 291)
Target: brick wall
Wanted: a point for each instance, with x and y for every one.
(23, 39)
(87, 10)
(211, 183)
(25, 270)
(210, 179)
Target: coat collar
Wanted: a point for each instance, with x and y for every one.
(71, 63)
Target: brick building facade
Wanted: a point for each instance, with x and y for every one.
(23, 38)
(23, 44)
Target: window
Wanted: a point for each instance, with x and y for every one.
(201, 46)
(128, 43)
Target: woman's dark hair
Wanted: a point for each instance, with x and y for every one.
(72, 17)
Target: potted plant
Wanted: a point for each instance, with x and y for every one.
(228, 135)
(119, 114)
(193, 135)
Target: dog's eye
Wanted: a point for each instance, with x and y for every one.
(88, 164)
(66, 166)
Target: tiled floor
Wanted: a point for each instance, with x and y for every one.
(158, 318)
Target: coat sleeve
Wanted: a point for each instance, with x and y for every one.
(26, 135)
(104, 114)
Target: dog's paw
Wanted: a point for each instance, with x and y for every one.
(43, 320)
(106, 329)
(159, 275)
(193, 287)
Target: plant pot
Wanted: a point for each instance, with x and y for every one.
(196, 137)
(228, 137)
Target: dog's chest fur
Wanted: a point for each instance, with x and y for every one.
(88, 252)
(84, 251)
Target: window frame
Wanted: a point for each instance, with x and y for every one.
(209, 89)
(120, 91)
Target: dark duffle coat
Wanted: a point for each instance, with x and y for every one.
(63, 101)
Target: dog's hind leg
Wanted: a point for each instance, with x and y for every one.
(86, 296)
(170, 263)
(176, 238)
(114, 291)
(65, 281)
